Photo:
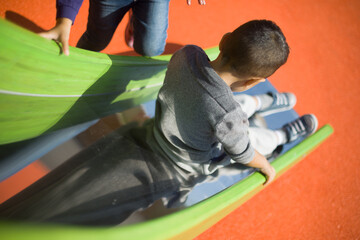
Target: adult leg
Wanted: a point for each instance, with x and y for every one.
(104, 17)
(150, 19)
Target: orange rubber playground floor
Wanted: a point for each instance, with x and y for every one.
(319, 198)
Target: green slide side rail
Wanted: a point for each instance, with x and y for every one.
(42, 90)
(184, 224)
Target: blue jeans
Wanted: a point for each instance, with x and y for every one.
(150, 19)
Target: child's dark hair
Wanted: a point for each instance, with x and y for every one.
(256, 49)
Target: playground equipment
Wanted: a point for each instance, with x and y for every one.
(43, 92)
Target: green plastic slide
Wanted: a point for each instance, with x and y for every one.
(184, 224)
(42, 90)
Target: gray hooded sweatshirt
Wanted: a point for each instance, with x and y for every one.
(198, 125)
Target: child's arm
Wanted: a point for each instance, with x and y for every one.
(260, 162)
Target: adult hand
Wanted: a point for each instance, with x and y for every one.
(61, 33)
(201, 2)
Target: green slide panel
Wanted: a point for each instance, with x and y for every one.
(42, 90)
(184, 224)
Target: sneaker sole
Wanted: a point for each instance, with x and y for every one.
(316, 124)
(264, 114)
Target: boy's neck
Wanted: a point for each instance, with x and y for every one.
(236, 82)
(225, 71)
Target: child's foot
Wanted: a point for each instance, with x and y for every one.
(129, 31)
(274, 102)
(301, 127)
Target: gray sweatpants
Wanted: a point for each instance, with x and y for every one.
(101, 185)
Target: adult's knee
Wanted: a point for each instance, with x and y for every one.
(150, 49)
(93, 42)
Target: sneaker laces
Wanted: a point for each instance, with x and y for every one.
(301, 127)
(297, 127)
(281, 99)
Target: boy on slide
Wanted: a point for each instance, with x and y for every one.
(199, 127)
(199, 124)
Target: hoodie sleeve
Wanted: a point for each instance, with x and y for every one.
(68, 8)
(232, 133)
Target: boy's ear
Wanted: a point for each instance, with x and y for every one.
(223, 40)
